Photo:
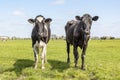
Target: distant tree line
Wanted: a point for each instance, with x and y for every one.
(55, 37)
(104, 37)
(18, 38)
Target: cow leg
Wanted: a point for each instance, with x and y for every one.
(76, 56)
(36, 51)
(83, 56)
(43, 56)
(68, 51)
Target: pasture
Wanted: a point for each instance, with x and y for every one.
(102, 61)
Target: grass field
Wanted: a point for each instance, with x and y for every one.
(102, 61)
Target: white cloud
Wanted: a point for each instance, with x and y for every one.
(18, 13)
(59, 2)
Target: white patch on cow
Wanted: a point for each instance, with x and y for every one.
(42, 45)
(46, 28)
(36, 44)
(43, 54)
(35, 48)
(40, 19)
(39, 45)
(84, 56)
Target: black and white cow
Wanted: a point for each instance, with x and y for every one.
(40, 36)
(78, 34)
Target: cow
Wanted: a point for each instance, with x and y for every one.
(40, 37)
(78, 34)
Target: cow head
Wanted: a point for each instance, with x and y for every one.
(41, 25)
(87, 20)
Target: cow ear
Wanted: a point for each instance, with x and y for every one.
(31, 21)
(95, 18)
(77, 18)
(48, 20)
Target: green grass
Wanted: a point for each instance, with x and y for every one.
(102, 61)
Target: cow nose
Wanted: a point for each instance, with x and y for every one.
(41, 34)
(87, 32)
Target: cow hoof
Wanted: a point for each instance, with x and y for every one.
(76, 66)
(35, 67)
(83, 68)
(68, 60)
(42, 68)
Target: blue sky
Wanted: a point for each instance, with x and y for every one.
(15, 13)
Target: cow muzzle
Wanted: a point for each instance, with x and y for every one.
(86, 37)
(87, 32)
(42, 35)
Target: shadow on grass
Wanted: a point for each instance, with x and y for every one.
(19, 65)
(58, 65)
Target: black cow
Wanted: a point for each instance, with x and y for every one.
(40, 36)
(78, 34)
